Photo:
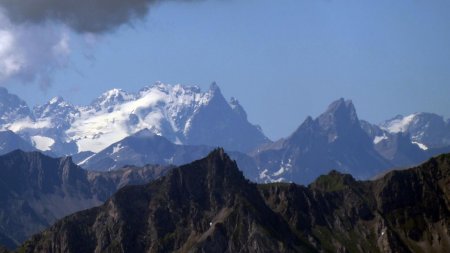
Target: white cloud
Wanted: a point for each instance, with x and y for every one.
(30, 53)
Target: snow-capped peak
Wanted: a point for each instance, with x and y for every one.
(163, 109)
(398, 124)
(111, 98)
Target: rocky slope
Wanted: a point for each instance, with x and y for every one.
(404, 211)
(36, 190)
(208, 206)
(205, 206)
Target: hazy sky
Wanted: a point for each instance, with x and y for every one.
(283, 60)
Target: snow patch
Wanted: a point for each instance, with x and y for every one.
(117, 148)
(378, 139)
(42, 143)
(85, 160)
(264, 174)
(399, 125)
(421, 145)
(279, 172)
(269, 177)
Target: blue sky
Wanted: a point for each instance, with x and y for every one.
(283, 60)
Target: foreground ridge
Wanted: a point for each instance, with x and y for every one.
(208, 206)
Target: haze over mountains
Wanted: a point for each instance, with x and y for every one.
(175, 124)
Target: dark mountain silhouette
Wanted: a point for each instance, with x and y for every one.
(208, 206)
(36, 190)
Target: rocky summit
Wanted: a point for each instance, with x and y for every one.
(208, 206)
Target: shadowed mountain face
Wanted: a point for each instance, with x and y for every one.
(334, 140)
(208, 206)
(224, 125)
(142, 148)
(10, 141)
(36, 190)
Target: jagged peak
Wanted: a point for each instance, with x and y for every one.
(214, 91)
(57, 101)
(114, 93)
(341, 104)
(339, 112)
(111, 97)
(214, 87)
(215, 96)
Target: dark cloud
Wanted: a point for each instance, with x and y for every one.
(84, 16)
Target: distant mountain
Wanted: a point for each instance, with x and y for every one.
(428, 130)
(143, 147)
(208, 206)
(12, 108)
(397, 148)
(58, 115)
(333, 141)
(9, 141)
(182, 114)
(36, 190)
(219, 124)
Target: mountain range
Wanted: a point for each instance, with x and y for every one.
(208, 206)
(182, 114)
(175, 124)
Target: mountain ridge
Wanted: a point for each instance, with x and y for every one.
(209, 206)
(36, 190)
